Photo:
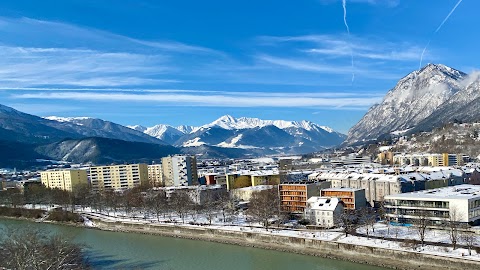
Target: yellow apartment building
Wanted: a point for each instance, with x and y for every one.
(118, 177)
(251, 179)
(64, 179)
(155, 177)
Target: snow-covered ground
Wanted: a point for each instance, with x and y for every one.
(240, 223)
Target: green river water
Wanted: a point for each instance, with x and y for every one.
(116, 250)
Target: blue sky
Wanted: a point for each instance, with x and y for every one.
(190, 62)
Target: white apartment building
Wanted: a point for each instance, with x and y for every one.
(179, 170)
(322, 211)
(461, 203)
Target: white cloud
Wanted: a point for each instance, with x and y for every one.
(217, 99)
(23, 67)
(339, 46)
(27, 31)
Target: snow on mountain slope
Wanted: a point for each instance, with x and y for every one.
(230, 122)
(74, 120)
(250, 133)
(138, 128)
(412, 100)
(166, 133)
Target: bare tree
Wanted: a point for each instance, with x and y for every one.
(157, 203)
(112, 201)
(367, 218)
(227, 205)
(211, 205)
(181, 203)
(80, 194)
(454, 224)
(348, 220)
(421, 223)
(469, 238)
(264, 205)
(33, 249)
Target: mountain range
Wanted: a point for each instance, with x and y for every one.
(421, 101)
(250, 133)
(82, 139)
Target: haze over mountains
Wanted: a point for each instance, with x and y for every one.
(430, 97)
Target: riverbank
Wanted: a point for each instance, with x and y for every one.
(390, 258)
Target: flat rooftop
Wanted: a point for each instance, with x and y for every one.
(342, 189)
(454, 192)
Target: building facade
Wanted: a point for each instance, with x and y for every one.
(244, 179)
(323, 211)
(179, 170)
(294, 196)
(427, 159)
(155, 175)
(64, 179)
(379, 185)
(459, 203)
(352, 198)
(118, 177)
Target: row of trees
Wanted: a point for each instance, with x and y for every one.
(145, 202)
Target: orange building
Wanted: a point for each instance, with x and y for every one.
(351, 197)
(294, 196)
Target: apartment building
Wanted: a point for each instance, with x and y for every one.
(155, 175)
(118, 177)
(352, 198)
(247, 178)
(179, 170)
(460, 203)
(322, 211)
(378, 185)
(294, 196)
(64, 179)
(428, 159)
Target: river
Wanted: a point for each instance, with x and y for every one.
(117, 250)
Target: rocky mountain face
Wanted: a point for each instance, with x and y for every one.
(464, 106)
(263, 136)
(415, 101)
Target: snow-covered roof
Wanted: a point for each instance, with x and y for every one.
(454, 192)
(254, 188)
(342, 189)
(323, 203)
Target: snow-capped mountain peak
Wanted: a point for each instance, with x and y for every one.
(185, 129)
(66, 119)
(412, 100)
(138, 127)
(229, 122)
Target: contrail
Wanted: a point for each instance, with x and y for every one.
(344, 5)
(438, 29)
(423, 52)
(448, 16)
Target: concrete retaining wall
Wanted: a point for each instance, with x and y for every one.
(394, 259)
